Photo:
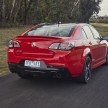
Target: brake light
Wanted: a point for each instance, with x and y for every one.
(13, 44)
(10, 44)
(66, 46)
(62, 46)
(54, 46)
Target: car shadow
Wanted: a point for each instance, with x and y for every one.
(57, 84)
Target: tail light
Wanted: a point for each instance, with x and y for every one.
(62, 46)
(13, 44)
(54, 46)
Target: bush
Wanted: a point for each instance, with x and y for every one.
(99, 21)
(10, 25)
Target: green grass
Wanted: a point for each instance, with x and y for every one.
(5, 35)
(102, 28)
(9, 33)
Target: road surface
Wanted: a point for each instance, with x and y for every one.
(53, 93)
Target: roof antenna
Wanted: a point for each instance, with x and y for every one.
(59, 22)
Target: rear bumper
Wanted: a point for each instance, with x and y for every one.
(61, 59)
(50, 70)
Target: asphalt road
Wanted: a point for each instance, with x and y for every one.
(53, 93)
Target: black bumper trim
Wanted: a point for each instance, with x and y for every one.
(17, 68)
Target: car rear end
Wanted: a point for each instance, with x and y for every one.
(42, 55)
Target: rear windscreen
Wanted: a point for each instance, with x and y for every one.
(60, 30)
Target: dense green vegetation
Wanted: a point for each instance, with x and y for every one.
(99, 21)
(5, 36)
(36, 11)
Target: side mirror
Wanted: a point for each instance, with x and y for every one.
(101, 38)
(104, 38)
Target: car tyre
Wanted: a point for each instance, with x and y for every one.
(86, 73)
(25, 76)
(106, 59)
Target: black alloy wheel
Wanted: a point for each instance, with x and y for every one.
(86, 74)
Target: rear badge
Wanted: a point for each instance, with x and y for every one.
(33, 44)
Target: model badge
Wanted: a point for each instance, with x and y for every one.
(33, 44)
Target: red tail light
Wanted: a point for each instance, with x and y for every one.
(54, 46)
(13, 44)
(62, 46)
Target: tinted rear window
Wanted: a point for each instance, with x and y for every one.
(61, 30)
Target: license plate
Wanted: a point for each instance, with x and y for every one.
(30, 63)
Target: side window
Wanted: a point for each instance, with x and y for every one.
(88, 32)
(95, 33)
(84, 34)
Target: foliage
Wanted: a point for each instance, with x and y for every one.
(36, 11)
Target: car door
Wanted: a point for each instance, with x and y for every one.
(102, 43)
(93, 44)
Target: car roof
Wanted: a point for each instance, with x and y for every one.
(73, 24)
(63, 24)
(82, 24)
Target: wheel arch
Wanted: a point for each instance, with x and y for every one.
(90, 55)
(87, 52)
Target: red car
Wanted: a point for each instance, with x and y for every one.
(61, 50)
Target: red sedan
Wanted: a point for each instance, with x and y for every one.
(61, 50)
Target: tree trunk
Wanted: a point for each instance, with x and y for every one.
(25, 12)
(12, 10)
(15, 9)
(1, 4)
(3, 11)
(27, 7)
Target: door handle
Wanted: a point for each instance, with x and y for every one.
(90, 43)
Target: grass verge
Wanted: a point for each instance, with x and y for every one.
(5, 35)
